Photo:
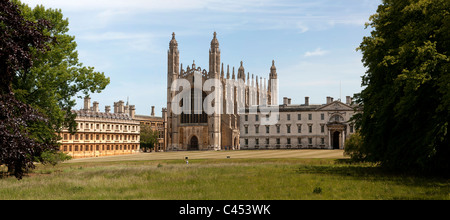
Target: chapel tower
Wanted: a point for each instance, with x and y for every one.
(214, 122)
(173, 66)
(273, 85)
(214, 58)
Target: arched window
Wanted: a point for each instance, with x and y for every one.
(197, 113)
(336, 118)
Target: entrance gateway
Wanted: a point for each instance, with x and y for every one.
(193, 143)
(336, 134)
(335, 143)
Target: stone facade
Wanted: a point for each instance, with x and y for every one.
(157, 124)
(198, 130)
(102, 133)
(302, 126)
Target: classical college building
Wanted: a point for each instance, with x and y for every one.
(324, 126)
(102, 133)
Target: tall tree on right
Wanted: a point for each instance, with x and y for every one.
(406, 96)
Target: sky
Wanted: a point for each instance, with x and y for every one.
(313, 43)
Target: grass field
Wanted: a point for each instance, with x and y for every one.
(267, 175)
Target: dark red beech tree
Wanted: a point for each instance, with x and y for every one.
(18, 37)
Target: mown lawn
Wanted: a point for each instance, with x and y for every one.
(221, 179)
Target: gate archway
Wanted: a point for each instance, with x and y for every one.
(336, 138)
(193, 143)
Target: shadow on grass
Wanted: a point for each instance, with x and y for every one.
(347, 168)
(4, 175)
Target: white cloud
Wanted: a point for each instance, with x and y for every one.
(320, 78)
(302, 27)
(119, 4)
(304, 16)
(357, 21)
(317, 52)
(133, 6)
(106, 36)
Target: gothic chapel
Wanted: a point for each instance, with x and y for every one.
(197, 130)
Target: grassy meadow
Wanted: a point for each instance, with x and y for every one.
(221, 179)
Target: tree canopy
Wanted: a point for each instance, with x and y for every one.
(406, 99)
(41, 75)
(56, 76)
(18, 38)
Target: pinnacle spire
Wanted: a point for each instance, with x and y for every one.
(241, 72)
(273, 66)
(234, 76)
(273, 70)
(214, 41)
(173, 43)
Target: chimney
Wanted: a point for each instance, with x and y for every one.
(95, 107)
(120, 107)
(153, 110)
(116, 107)
(87, 103)
(107, 108)
(164, 115)
(349, 100)
(164, 112)
(331, 99)
(127, 109)
(132, 111)
(289, 101)
(328, 99)
(306, 100)
(285, 100)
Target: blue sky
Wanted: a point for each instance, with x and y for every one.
(313, 43)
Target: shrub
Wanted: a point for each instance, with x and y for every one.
(354, 147)
(317, 190)
(53, 158)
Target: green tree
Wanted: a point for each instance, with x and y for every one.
(19, 39)
(353, 147)
(406, 99)
(148, 137)
(55, 78)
